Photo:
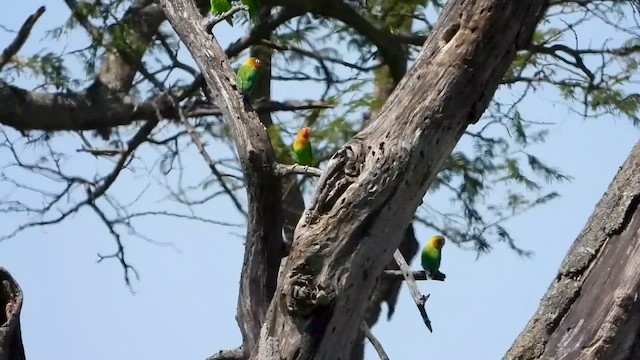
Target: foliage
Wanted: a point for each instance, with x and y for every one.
(341, 64)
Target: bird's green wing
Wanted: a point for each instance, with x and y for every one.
(304, 156)
(430, 260)
(246, 79)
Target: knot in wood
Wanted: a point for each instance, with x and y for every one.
(305, 297)
(352, 162)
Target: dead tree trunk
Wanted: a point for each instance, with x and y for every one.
(373, 185)
(592, 308)
(11, 347)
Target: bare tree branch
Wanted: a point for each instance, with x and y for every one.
(418, 298)
(416, 275)
(21, 37)
(283, 170)
(376, 344)
(209, 24)
(264, 234)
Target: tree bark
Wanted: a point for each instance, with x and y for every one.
(592, 309)
(11, 298)
(372, 186)
(264, 248)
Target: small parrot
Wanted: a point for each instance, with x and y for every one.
(431, 256)
(254, 10)
(221, 6)
(247, 76)
(302, 147)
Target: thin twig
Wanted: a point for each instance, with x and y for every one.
(191, 130)
(282, 170)
(376, 344)
(102, 152)
(202, 108)
(209, 24)
(419, 275)
(418, 298)
(21, 38)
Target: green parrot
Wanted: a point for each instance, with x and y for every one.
(247, 76)
(254, 10)
(302, 147)
(431, 256)
(221, 6)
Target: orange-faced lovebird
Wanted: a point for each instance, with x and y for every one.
(432, 255)
(302, 147)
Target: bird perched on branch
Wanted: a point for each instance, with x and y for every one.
(431, 257)
(218, 7)
(247, 76)
(302, 147)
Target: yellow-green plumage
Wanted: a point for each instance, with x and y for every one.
(247, 76)
(302, 147)
(254, 10)
(432, 255)
(221, 6)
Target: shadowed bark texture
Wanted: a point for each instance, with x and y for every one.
(592, 309)
(11, 298)
(350, 231)
(347, 235)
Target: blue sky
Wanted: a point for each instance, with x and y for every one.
(185, 302)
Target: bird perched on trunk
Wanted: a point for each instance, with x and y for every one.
(254, 10)
(302, 147)
(218, 7)
(247, 76)
(431, 256)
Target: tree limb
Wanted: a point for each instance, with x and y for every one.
(209, 24)
(376, 344)
(264, 233)
(418, 298)
(283, 170)
(417, 275)
(21, 37)
(603, 259)
(373, 185)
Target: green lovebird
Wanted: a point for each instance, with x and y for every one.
(220, 6)
(254, 10)
(247, 76)
(302, 147)
(431, 256)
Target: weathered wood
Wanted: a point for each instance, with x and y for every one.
(373, 185)
(11, 299)
(263, 248)
(592, 310)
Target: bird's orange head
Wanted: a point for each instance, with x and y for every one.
(305, 133)
(253, 62)
(437, 242)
